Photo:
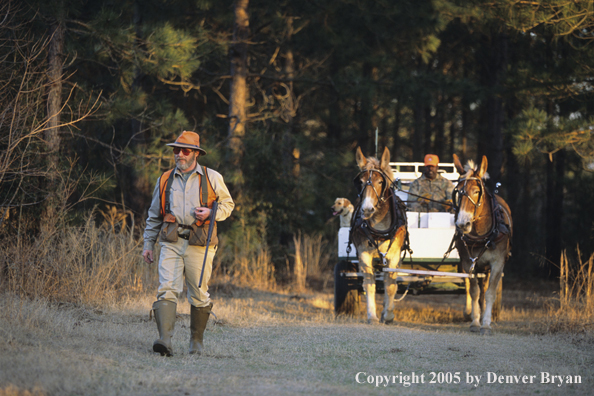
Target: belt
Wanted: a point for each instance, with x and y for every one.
(184, 236)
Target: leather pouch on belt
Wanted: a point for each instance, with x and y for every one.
(199, 235)
(169, 229)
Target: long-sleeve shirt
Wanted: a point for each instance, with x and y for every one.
(439, 189)
(184, 196)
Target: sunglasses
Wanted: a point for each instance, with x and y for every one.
(185, 151)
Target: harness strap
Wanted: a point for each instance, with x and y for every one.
(451, 248)
(498, 231)
(204, 187)
(167, 189)
(427, 199)
(475, 259)
(373, 242)
(398, 212)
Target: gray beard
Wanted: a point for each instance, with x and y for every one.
(184, 167)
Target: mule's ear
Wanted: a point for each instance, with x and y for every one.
(483, 169)
(361, 160)
(385, 163)
(458, 165)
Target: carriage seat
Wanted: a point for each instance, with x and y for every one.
(430, 220)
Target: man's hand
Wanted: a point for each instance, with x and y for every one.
(148, 256)
(202, 213)
(425, 199)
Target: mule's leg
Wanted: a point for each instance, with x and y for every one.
(394, 248)
(369, 288)
(483, 283)
(490, 296)
(476, 310)
(468, 306)
(390, 287)
(365, 265)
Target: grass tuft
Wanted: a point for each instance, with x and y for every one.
(573, 310)
(84, 264)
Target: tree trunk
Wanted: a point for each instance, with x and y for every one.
(238, 93)
(428, 132)
(134, 185)
(464, 130)
(465, 110)
(289, 151)
(554, 211)
(419, 123)
(440, 144)
(54, 99)
(493, 148)
(333, 123)
(452, 141)
(491, 139)
(396, 150)
(364, 113)
(52, 134)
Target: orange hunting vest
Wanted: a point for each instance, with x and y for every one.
(207, 193)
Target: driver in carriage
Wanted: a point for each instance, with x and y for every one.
(431, 192)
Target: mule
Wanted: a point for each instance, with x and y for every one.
(483, 238)
(378, 229)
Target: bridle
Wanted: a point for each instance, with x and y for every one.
(362, 186)
(484, 240)
(398, 212)
(458, 194)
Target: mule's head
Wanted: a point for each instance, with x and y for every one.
(469, 194)
(373, 181)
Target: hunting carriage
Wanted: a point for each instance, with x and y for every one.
(428, 264)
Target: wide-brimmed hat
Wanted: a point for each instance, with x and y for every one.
(431, 159)
(189, 140)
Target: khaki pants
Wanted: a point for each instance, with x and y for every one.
(179, 259)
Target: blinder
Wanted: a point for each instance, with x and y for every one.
(455, 203)
(361, 186)
(457, 193)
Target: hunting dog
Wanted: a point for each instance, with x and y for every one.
(344, 208)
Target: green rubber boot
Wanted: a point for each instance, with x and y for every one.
(198, 320)
(165, 317)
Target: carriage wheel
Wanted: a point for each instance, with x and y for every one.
(346, 290)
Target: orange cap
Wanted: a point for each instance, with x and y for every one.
(188, 140)
(431, 159)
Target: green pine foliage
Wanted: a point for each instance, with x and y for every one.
(535, 131)
(170, 53)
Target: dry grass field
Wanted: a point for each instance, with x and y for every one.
(74, 320)
(279, 343)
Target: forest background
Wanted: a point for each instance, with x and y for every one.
(282, 93)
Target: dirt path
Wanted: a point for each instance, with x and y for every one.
(266, 343)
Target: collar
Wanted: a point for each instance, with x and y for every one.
(197, 169)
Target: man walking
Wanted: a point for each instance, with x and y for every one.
(431, 185)
(180, 215)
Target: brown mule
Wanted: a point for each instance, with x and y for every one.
(483, 238)
(378, 229)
